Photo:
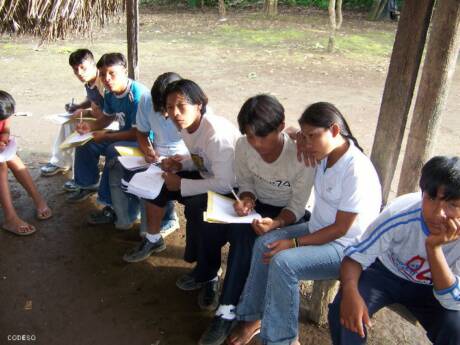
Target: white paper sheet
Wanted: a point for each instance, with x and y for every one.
(79, 138)
(146, 184)
(9, 151)
(220, 209)
(133, 162)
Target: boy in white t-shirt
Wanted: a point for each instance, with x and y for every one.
(409, 255)
(272, 182)
(210, 140)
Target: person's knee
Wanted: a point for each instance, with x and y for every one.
(281, 263)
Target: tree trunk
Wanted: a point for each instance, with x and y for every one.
(222, 11)
(399, 89)
(332, 21)
(132, 23)
(377, 8)
(339, 15)
(271, 7)
(440, 61)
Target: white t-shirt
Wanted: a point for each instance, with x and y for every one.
(284, 183)
(212, 153)
(397, 237)
(350, 185)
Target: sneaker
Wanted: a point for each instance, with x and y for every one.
(187, 282)
(104, 216)
(50, 169)
(80, 195)
(208, 298)
(217, 331)
(168, 227)
(70, 186)
(144, 250)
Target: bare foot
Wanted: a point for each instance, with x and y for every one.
(19, 227)
(244, 332)
(43, 211)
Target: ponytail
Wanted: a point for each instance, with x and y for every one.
(324, 114)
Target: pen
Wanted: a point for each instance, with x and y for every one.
(234, 194)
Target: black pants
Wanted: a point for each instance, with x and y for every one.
(194, 206)
(241, 238)
(379, 287)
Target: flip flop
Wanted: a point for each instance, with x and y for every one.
(244, 340)
(17, 231)
(44, 213)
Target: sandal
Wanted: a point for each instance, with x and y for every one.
(21, 230)
(44, 213)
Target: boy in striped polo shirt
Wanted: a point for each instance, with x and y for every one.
(409, 255)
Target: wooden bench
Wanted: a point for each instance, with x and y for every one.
(322, 294)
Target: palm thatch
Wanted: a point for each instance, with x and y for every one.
(51, 19)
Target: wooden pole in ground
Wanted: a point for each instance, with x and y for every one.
(132, 23)
(399, 88)
(440, 60)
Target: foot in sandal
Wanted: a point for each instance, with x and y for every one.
(43, 211)
(244, 332)
(18, 227)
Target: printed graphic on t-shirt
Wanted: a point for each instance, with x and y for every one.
(120, 117)
(281, 184)
(199, 162)
(413, 270)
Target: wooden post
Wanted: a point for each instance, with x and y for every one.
(132, 23)
(438, 69)
(399, 88)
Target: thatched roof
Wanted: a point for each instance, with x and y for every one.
(52, 19)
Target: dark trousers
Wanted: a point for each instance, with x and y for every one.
(379, 288)
(241, 238)
(194, 206)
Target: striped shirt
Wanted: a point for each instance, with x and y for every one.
(397, 238)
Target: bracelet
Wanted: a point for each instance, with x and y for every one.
(294, 243)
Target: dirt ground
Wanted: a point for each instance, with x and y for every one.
(67, 284)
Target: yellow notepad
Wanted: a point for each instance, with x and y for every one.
(129, 151)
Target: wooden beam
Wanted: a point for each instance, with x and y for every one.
(399, 88)
(438, 69)
(132, 26)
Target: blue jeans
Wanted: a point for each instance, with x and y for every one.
(379, 287)
(87, 170)
(271, 293)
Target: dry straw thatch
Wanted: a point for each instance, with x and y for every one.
(51, 19)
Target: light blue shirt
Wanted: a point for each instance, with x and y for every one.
(124, 106)
(167, 139)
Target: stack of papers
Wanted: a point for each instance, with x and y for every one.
(220, 210)
(133, 163)
(76, 139)
(9, 152)
(146, 184)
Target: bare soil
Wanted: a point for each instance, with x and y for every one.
(67, 284)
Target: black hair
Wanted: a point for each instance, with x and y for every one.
(78, 56)
(111, 59)
(262, 114)
(324, 114)
(7, 105)
(159, 87)
(190, 90)
(441, 171)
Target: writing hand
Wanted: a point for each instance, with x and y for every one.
(244, 206)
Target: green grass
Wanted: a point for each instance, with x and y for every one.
(261, 36)
(377, 44)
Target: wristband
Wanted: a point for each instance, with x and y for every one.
(294, 243)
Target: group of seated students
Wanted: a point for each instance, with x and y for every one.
(409, 254)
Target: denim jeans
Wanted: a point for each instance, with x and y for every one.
(271, 292)
(87, 170)
(379, 287)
